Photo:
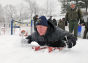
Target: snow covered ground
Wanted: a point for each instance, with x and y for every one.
(12, 51)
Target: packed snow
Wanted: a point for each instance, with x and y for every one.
(12, 51)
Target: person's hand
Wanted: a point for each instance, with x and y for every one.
(29, 39)
(69, 44)
(71, 41)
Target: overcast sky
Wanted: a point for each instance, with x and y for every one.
(42, 3)
(13, 2)
(17, 2)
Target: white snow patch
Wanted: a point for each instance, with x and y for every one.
(11, 51)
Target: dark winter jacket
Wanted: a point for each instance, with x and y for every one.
(55, 22)
(75, 15)
(53, 37)
(35, 19)
(61, 24)
(50, 20)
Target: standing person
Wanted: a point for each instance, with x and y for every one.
(47, 34)
(61, 23)
(35, 18)
(55, 22)
(86, 29)
(73, 16)
(50, 19)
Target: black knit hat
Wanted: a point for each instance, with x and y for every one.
(42, 21)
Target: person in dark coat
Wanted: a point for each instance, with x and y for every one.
(86, 29)
(35, 18)
(55, 22)
(47, 34)
(61, 24)
(50, 19)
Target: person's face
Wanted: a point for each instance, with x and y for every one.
(41, 29)
(72, 6)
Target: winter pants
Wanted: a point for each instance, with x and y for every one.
(73, 25)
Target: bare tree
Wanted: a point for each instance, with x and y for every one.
(10, 13)
(51, 7)
(23, 13)
(1, 16)
(33, 7)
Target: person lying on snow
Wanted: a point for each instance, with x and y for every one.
(47, 34)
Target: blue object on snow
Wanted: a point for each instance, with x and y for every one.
(79, 30)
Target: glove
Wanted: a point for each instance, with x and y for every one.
(69, 44)
(71, 41)
(29, 39)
